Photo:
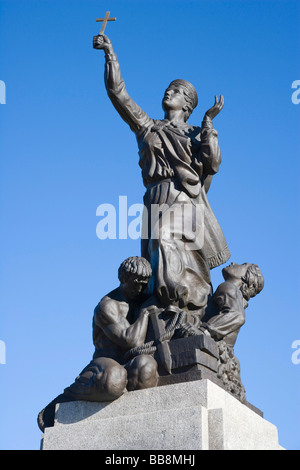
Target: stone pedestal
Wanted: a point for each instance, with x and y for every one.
(196, 415)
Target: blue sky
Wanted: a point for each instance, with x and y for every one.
(64, 151)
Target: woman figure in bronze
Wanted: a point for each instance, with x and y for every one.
(183, 239)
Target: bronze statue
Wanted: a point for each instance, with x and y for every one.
(119, 324)
(164, 324)
(226, 310)
(225, 315)
(178, 161)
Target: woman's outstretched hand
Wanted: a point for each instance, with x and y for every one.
(102, 42)
(216, 108)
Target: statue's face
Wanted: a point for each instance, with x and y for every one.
(235, 271)
(174, 98)
(133, 287)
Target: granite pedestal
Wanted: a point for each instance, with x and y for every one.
(197, 415)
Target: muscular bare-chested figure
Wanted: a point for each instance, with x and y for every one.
(119, 324)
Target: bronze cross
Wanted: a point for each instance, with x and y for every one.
(105, 20)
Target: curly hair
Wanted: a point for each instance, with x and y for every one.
(253, 282)
(134, 265)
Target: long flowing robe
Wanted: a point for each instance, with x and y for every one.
(181, 237)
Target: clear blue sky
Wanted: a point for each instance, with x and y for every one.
(64, 150)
